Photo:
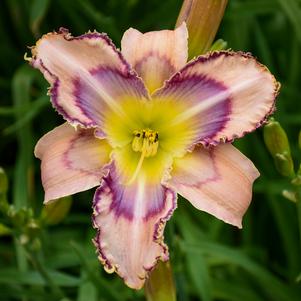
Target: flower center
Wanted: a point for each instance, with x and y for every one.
(146, 142)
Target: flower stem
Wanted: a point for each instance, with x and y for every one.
(160, 285)
(298, 204)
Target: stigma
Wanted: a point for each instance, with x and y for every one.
(146, 142)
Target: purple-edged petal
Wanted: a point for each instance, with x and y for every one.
(130, 221)
(72, 161)
(227, 94)
(216, 180)
(155, 55)
(88, 76)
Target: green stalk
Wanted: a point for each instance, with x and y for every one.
(298, 205)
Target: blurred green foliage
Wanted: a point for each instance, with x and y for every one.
(211, 260)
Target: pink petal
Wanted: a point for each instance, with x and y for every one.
(72, 161)
(88, 75)
(227, 94)
(155, 55)
(218, 181)
(130, 220)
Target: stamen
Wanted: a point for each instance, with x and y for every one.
(146, 142)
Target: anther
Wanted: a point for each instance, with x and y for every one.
(145, 141)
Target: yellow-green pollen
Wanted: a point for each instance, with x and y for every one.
(146, 142)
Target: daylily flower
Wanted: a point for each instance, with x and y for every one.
(144, 125)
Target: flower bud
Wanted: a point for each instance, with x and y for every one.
(3, 181)
(218, 45)
(289, 195)
(24, 239)
(3, 190)
(297, 180)
(35, 244)
(154, 288)
(4, 230)
(202, 18)
(275, 138)
(284, 164)
(53, 213)
(33, 228)
(277, 143)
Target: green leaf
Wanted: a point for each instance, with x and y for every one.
(30, 113)
(87, 291)
(273, 287)
(229, 291)
(199, 272)
(98, 281)
(12, 276)
(252, 7)
(38, 11)
(293, 12)
(196, 265)
(21, 85)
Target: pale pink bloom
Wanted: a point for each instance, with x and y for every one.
(144, 125)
